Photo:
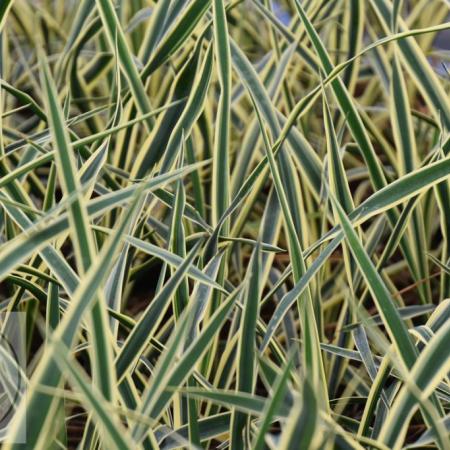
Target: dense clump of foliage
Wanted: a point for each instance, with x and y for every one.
(227, 222)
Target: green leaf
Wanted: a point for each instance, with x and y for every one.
(246, 379)
(395, 327)
(300, 428)
(221, 167)
(177, 35)
(116, 37)
(431, 367)
(115, 433)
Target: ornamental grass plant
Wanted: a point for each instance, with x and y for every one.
(226, 223)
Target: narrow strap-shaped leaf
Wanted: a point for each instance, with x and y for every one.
(19, 249)
(353, 119)
(261, 101)
(115, 35)
(155, 29)
(246, 403)
(190, 114)
(4, 8)
(28, 416)
(158, 396)
(143, 330)
(362, 344)
(396, 192)
(338, 178)
(201, 295)
(177, 244)
(179, 32)
(221, 167)
(432, 365)
(407, 150)
(415, 59)
(289, 298)
(209, 427)
(78, 219)
(391, 319)
(115, 434)
(302, 422)
(157, 141)
(273, 405)
(246, 379)
(21, 96)
(264, 105)
(67, 172)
